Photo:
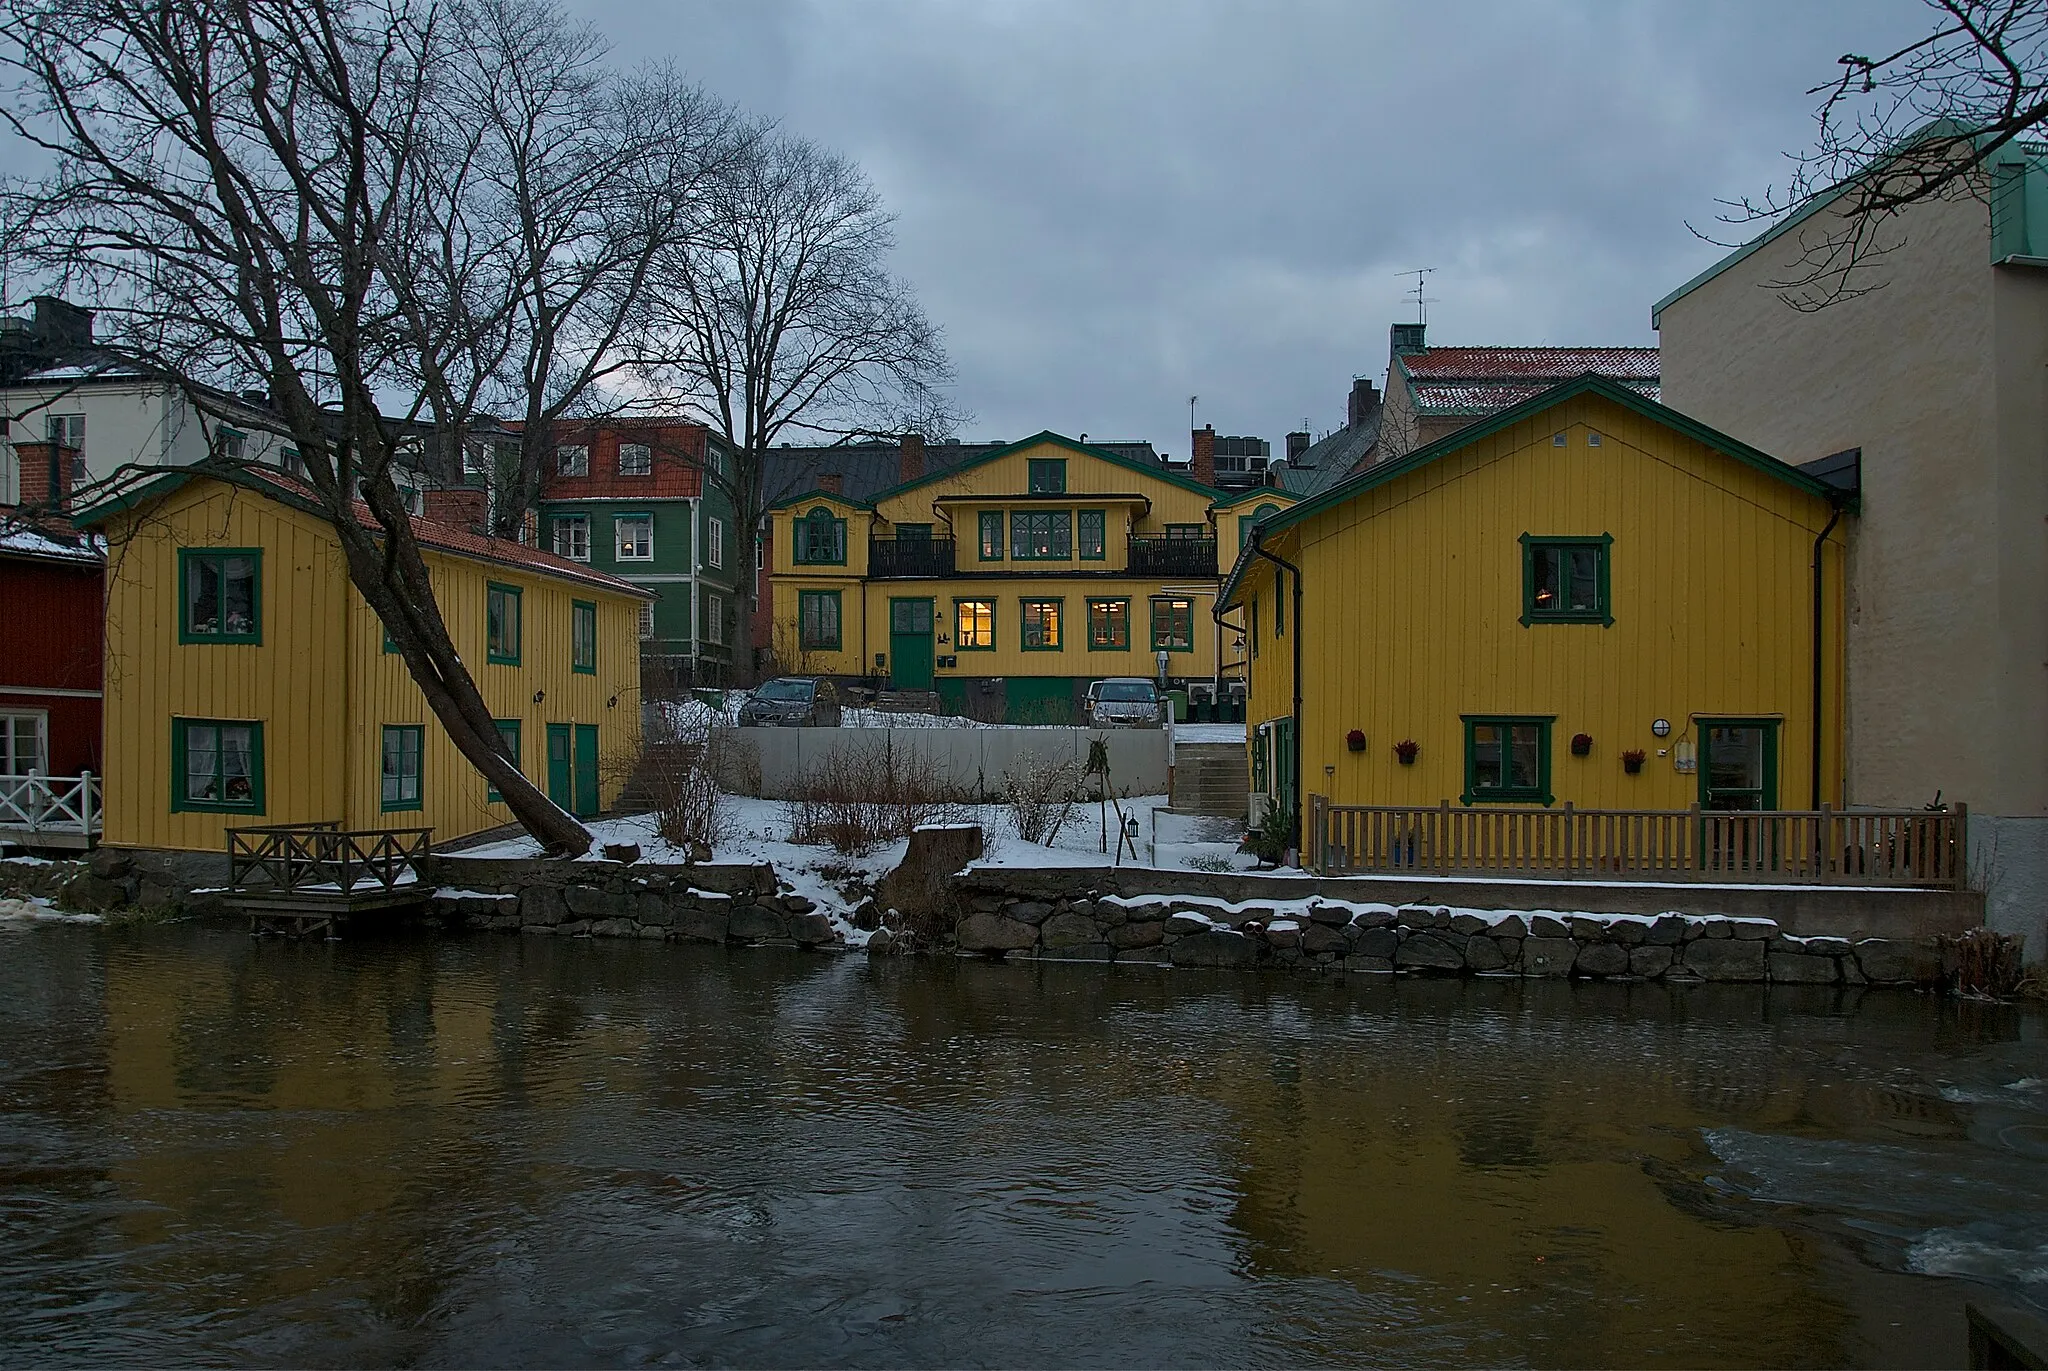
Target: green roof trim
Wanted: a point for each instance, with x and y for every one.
(1588, 384)
(815, 494)
(1285, 497)
(1057, 440)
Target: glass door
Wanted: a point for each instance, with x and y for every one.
(1738, 764)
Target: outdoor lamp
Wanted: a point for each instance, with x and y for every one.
(1662, 728)
(539, 695)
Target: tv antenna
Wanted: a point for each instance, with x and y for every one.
(1191, 412)
(1422, 302)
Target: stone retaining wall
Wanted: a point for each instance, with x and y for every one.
(1332, 936)
(713, 902)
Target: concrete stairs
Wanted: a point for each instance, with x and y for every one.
(1210, 778)
(643, 789)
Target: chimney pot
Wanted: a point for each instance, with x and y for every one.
(910, 457)
(45, 470)
(1297, 444)
(830, 482)
(1365, 403)
(1202, 464)
(460, 507)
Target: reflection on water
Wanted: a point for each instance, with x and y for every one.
(541, 1151)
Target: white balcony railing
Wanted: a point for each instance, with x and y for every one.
(57, 806)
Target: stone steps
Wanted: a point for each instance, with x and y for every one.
(1210, 778)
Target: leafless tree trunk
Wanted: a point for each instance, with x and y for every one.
(1929, 122)
(781, 316)
(230, 178)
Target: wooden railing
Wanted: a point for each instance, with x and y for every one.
(51, 804)
(1914, 847)
(320, 858)
(1154, 554)
(910, 556)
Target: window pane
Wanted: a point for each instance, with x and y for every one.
(1584, 590)
(976, 623)
(202, 762)
(1523, 757)
(1042, 623)
(572, 460)
(239, 593)
(635, 459)
(1486, 749)
(237, 765)
(991, 536)
(202, 595)
(1092, 522)
(1546, 599)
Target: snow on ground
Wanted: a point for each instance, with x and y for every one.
(1208, 733)
(38, 908)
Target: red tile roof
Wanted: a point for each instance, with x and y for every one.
(1480, 380)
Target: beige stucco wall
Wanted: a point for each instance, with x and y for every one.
(1940, 376)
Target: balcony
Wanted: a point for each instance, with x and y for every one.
(1157, 555)
(910, 556)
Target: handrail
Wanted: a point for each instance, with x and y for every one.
(317, 857)
(1826, 846)
(51, 804)
(1167, 555)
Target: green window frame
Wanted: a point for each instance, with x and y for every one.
(1173, 623)
(1567, 580)
(400, 766)
(820, 539)
(974, 625)
(1507, 759)
(503, 616)
(1766, 794)
(1046, 476)
(1041, 535)
(1109, 625)
(583, 637)
(817, 620)
(1187, 530)
(216, 766)
(1251, 521)
(208, 609)
(1093, 534)
(991, 535)
(1039, 626)
(508, 731)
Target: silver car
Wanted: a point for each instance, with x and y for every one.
(1123, 702)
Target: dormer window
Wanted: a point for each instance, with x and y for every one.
(636, 459)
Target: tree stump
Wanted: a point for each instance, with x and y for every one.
(921, 888)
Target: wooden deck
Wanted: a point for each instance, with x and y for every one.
(307, 879)
(61, 812)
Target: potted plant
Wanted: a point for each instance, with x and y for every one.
(1355, 740)
(1632, 760)
(1582, 743)
(1406, 750)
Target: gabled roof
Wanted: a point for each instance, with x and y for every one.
(1588, 384)
(286, 490)
(1480, 380)
(22, 538)
(1110, 455)
(1277, 494)
(1331, 460)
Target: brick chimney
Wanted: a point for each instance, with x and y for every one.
(1365, 403)
(910, 457)
(45, 473)
(830, 482)
(1297, 443)
(1202, 464)
(460, 507)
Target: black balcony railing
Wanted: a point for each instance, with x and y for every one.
(1154, 555)
(910, 556)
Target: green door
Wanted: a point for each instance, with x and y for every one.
(1738, 764)
(561, 775)
(1283, 764)
(910, 644)
(586, 770)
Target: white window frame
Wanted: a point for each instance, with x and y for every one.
(630, 552)
(11, 764)
(564, 523)
(642, 463)
(714, 618)
(572, 459)
(760, 553)
(646, 620)
(714, 542)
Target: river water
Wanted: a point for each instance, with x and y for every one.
(531, 1151)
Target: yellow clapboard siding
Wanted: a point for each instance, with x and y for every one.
(1414, 599)
(320, 682)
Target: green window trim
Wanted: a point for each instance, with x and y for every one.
(508, 729)
(818, 527)
(810, 621)
(1038, 606)
(217, 559)
(505, 604)
(181, 753)
(390, 648)
(991, 522)
(1046, 476)
(962, 631)
(1187, 530)
(1173, 623)
(583, 637)
(1057, 528)
(1091, 534)
(1534, 549)
(1767, 797)
(1118, 639)
(1506, 793)
(1250, 521)
(410, 738)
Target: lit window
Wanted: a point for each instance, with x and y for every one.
(1173, 624)
(1041, 621)
(1109, 625)
(1565, 580)
(974, 628)
(572, 459)
(636, 459)
(572, 536)
(635, 537)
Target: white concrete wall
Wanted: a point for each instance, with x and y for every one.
(975, 759)
(139, 422)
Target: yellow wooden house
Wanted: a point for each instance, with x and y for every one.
(248, 683)
(1005, 584)
(1586, 598)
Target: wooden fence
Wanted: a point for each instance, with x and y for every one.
(322, 859)
(1913, 847)
(35, 805)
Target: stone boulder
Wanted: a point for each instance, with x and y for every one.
(994, 934)
(1726, 959)
(1129, 936)
(1802, 968)
(1602, 959)
(1549, 956)
(1432, 950)
(1069, 931)
(1214, 947)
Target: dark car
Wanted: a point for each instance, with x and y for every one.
(792, 702)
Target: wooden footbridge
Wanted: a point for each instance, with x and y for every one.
(316, 878)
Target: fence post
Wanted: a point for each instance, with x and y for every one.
(1959, 854)
(1316, 835)
(1571, 843)
(1443, 837)
(1823, 840)
(1696, 840)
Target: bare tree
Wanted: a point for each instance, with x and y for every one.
(229, 178)
(781, 316)
(1929, 122)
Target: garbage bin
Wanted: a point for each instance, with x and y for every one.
(1179, 700)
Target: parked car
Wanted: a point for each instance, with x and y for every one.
(792, 702)
(1123, 702)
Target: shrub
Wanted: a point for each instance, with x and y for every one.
(1274, 835)
(679, 769)
(1041, 793)
(868, 792)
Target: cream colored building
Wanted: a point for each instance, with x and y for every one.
(1940, 378)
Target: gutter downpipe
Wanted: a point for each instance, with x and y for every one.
(1819, 656)
(1300, 829)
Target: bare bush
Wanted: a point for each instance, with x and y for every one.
(679, 772)
(864, 794)
(1041, 793)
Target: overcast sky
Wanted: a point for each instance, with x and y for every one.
(1109, 206)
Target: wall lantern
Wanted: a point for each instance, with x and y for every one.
(881, 659)
(1662, 728)
(539, 695)
(612, 703)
